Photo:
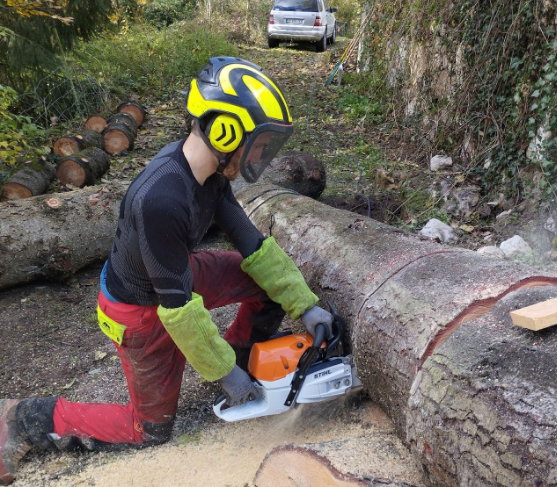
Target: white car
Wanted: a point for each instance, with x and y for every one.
(302, 20)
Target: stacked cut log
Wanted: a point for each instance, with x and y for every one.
(120, 133)
(135, 109)
(29, 179)
(72, 144)
(83, 168)
(472, 395)
(97, 122)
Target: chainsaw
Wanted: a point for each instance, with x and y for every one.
(291, 369)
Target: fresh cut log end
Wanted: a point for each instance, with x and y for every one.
(66, 146)
(96, 122)
(117, 140)
(30, 178)
(69, 171)
(14, 191)
(83, 168)
(135, 109)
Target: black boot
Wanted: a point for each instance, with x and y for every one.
(24, 424)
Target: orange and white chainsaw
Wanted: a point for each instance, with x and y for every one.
(291, 369)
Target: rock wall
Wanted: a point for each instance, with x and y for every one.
(474, 79)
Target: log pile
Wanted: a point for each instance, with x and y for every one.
(471, 395)
(83, 156)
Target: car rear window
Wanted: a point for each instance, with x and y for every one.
(296, 5)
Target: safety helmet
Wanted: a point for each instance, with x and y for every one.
(235, 103)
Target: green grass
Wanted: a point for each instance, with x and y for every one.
(151, 62)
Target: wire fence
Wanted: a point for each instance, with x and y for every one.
(64, 95)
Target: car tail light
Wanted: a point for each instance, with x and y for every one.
(317, 22)
(271, 19)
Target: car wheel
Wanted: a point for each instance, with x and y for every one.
(322, 44)
(273, 42)
(334, 36)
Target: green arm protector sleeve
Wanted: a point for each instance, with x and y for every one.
(195, 334)
(275, 272)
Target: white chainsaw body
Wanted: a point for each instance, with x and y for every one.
(326, 380)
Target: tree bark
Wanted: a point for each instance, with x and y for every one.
(135, 109)
(52, 237)
(72, 144)
(120, 133)
(97, 122)
(84, 168)
(30, 179)
(403, 299)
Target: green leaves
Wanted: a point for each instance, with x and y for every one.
(17, 132)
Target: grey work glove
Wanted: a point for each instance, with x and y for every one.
(238, 387)
(316, 315)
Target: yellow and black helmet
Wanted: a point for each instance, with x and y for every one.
(235, 103)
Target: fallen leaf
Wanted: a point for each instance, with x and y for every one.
(99, 355)
(466, 228)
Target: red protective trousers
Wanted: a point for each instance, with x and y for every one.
(154, 365)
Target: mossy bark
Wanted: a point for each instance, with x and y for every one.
(29, 179)
(84, 168)
(72, 144)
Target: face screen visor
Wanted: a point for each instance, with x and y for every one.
(262, 146)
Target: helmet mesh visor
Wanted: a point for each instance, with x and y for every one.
(260, 150)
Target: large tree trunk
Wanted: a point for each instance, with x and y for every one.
(72, 144)
(120, 133)
(30, 179)
(84, 168)
(53, 236)
(405, 300)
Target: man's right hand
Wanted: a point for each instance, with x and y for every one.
(238, 387)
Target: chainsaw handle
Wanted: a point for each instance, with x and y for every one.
(320, 330)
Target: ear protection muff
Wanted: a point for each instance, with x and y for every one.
(225, 133)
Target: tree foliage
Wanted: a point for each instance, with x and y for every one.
(34, 35)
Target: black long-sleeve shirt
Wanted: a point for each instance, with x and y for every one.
(163, 217)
